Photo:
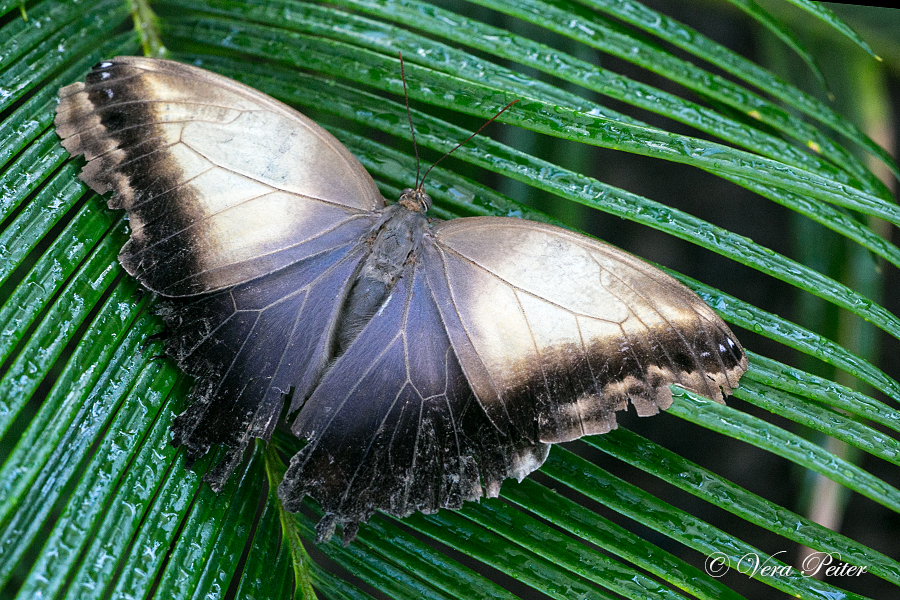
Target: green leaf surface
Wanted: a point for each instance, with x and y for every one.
(61, 321)
(44, 20)
(786, 36)
(87, 511)
(587, 525)
(819, 11)
(740, 425)
(701, 482)
(76, 37)
(793, 380)
(618, 495)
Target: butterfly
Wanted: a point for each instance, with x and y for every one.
(423, 361)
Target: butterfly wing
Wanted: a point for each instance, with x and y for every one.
(394, 425)
(556, 332)
(501, 337)
(222, 183)
(250, 345)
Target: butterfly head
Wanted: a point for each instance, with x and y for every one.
(415, 199)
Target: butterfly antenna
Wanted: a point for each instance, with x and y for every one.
(412, 129)
(465, 141)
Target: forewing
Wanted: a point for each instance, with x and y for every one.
(248, 346)
(222, 183)
(394, 425)
(556, 332)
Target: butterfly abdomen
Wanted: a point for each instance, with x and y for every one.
(395, 242)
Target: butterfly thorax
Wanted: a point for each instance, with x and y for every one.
(393, 243)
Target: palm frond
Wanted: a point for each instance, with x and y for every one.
(95, 503)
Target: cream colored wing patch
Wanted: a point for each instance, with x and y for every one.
(222, 184)
(556, 332)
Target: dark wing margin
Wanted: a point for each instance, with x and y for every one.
(557, 332)
(249, 346)
(394, 425)
(222, 183)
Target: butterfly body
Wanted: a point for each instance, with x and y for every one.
(426, 360)
(396, 239)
